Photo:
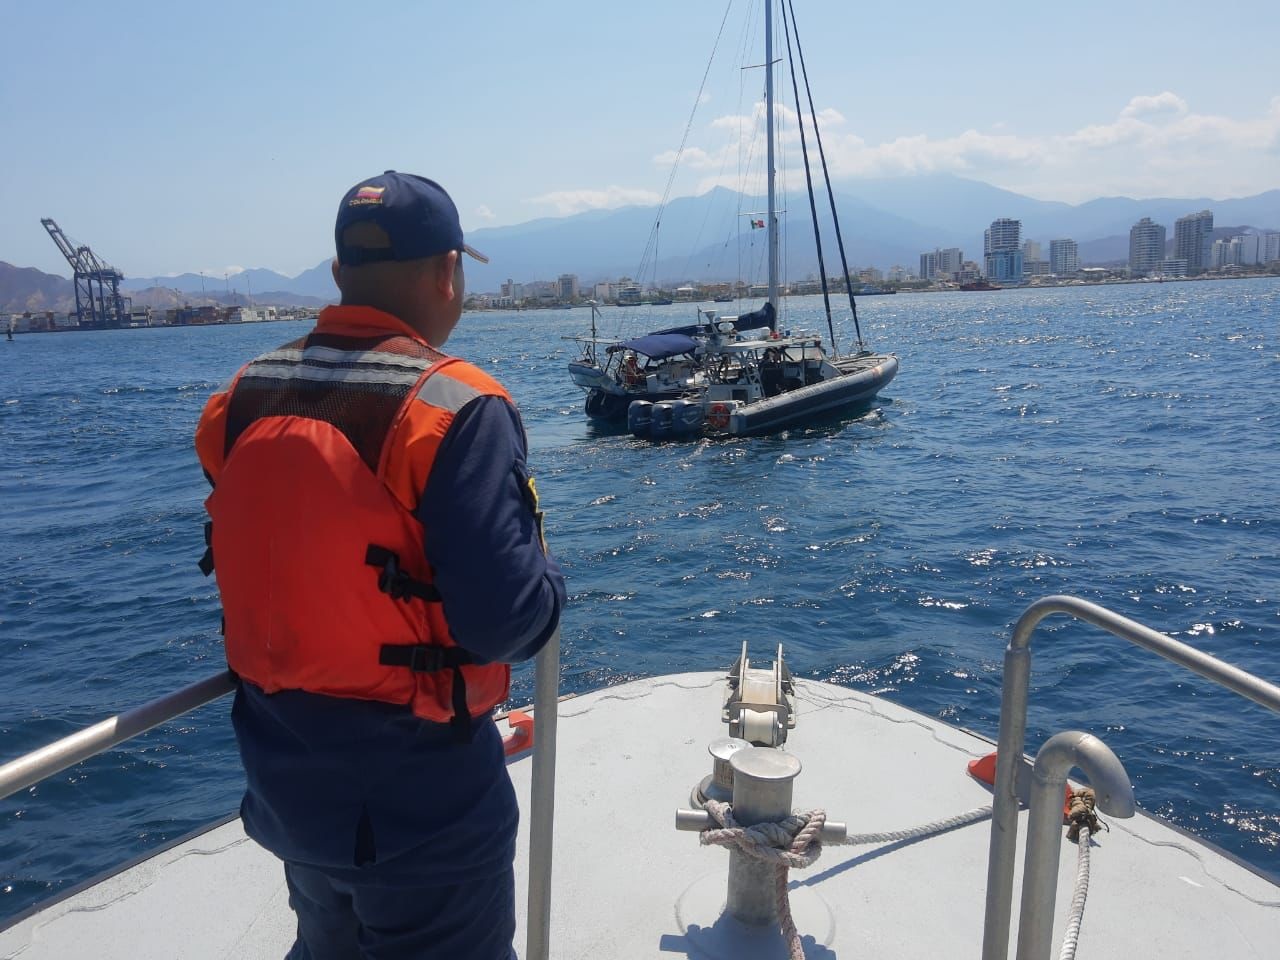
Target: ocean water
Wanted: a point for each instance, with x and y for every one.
(1119, 443)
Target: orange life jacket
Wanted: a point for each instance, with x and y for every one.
(318, 452)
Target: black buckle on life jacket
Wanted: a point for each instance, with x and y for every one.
(206, 562)
(422, 657)
(395, 582)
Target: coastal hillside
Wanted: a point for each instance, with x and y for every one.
(884, 222)
(26, 288)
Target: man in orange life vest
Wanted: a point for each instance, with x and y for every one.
(379, 552)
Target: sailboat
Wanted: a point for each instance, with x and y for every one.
(655, 367)
(738, 375)
(752, 384)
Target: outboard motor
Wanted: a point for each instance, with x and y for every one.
(686, 418)
(662, 426)
(640, 418)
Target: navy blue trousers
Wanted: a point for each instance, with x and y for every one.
(342, 920)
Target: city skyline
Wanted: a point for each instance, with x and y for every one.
(215, 142)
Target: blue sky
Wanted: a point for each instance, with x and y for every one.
(190, 136)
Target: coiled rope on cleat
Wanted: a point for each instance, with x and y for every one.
(792, 842)
(796, 842)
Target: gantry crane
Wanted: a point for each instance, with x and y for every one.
(98, 300)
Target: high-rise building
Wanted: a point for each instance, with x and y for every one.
(1222, 255)
(1146, 247)
(1064, 257)
(1240, 251)
(1192, 240)
(567, 286)
(1248, 249)
(1269, 248)
(945, 263)
(950, 261)
(1032, 264)
(1001, 246)
(928, 265)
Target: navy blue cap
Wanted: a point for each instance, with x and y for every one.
(417, 215)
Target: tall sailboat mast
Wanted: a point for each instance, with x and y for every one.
(768, 107)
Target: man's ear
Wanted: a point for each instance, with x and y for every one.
(334, 268)
(446, 265)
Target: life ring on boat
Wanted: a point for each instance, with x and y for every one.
(718, 416)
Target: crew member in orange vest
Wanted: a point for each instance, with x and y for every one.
(379, 550)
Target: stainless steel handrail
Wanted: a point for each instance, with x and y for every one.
(542, 800)
(33, 767)
(1060, 754)
(1013, 729)
(36, 766)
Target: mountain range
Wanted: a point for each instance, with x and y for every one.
(884, 222)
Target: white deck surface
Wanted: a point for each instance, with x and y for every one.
(626, 884)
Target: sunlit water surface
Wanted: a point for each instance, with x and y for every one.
(1120, 443)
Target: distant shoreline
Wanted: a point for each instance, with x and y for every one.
(1071, 284)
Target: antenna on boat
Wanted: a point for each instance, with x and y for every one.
(594, 311)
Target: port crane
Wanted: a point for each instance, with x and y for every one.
(98, 300)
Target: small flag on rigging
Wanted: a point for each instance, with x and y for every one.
(757, 224)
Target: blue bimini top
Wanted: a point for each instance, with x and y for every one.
(658, 346)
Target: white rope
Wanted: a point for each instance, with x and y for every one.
(796, 841)
(1078, 897)
(938, 826)
(793, 842)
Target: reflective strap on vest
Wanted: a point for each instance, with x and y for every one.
(425, 658)
(394, 581)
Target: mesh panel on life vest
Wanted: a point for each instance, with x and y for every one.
(356, 384)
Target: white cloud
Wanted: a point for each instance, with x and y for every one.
(695, 158)
(484, 213)
(567, 202)
(1162, 103)
(1155, 146)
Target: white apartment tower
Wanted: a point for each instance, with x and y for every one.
(1193, 238)
(1269, 249)
(1146, 247)
(567, 286)
(950, 261)
(1002, 249)
(942, 262)
(928, 265)
(1064, 258)
(1003, 236)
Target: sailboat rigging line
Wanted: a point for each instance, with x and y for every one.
(808, 181)
(671, 177)
(826, 176)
